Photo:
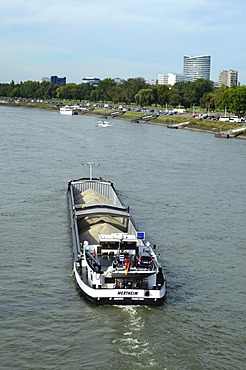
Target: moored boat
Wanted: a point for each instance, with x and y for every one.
(112, 262)
(68, 110)
(178, 125)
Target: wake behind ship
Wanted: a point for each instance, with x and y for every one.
(112, 262)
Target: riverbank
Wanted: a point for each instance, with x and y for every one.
(201, 125)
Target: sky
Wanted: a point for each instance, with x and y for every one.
(113, 38)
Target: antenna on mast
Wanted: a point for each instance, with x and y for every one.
(90, 164)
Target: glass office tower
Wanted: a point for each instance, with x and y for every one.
(197, 67)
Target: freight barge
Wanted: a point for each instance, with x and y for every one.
(113, 264)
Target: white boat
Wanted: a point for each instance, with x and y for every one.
(103, 124)
(112, 262)
(68, 110)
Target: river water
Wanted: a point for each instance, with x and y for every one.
(185, 189)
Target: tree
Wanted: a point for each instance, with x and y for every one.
(105, 89)
(192, 92)
(116, 94)
(5, 89)
(15, 92)
(47, 90)
(144, 97)
(85, 92)
(208, 100)
(187, 93)
(68, 91)
(131, 87)
(175, 97)
(237, 99)
(202, 86)
(29, 89)
(161, 94)
(221, 97)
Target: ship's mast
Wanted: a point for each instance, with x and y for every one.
(90, 164)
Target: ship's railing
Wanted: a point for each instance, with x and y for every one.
(92, 262)
(74, 227)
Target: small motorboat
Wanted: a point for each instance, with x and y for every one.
(103, 124)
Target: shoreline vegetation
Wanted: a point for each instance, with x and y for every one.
(196, 124)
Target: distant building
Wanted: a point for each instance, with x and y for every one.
(162, 79)
(58, 80)
(47, 79)
(177, 77)
(228, 78)
(119, 81)
(151, 82)
(90, 81)
(197, 67)
(172, 78)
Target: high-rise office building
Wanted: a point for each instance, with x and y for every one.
(228, 78)
(197, 67)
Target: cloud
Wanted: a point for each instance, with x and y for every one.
(145, 35)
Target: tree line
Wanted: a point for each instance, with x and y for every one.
(136, 91)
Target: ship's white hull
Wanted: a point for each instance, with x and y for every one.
(121, 296)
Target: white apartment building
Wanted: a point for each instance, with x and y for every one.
(162, 79)
(172, 78)
(228, 78)
(177, 77)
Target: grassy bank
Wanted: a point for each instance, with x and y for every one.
(210, 126)
(195, 124)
